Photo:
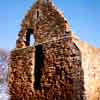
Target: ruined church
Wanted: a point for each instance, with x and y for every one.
(58, 66)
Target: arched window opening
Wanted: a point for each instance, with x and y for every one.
(30, 37)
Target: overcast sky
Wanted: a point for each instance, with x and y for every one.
(83, 15)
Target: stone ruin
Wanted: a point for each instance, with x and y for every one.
(59, 66)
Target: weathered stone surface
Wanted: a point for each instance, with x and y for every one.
(91, 67)
(59, 66)
(21, 74)
(44, 22)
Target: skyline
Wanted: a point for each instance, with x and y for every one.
(83, 16)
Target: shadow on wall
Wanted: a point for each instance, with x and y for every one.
(78, 75)
(39, 59)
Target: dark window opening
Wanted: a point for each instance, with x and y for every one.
(29, 37)
(37, 14)
(39, 58)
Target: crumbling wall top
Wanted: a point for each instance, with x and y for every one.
(45, 22)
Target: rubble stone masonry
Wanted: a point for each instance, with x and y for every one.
(59, 66)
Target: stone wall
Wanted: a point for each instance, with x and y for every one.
(58, 67)
(59, 77)
(91, 67)
(21, 74)
(45, 23)
(70, 68)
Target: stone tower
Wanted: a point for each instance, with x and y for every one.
(52, 68)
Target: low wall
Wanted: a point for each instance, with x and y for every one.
(21, 74)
